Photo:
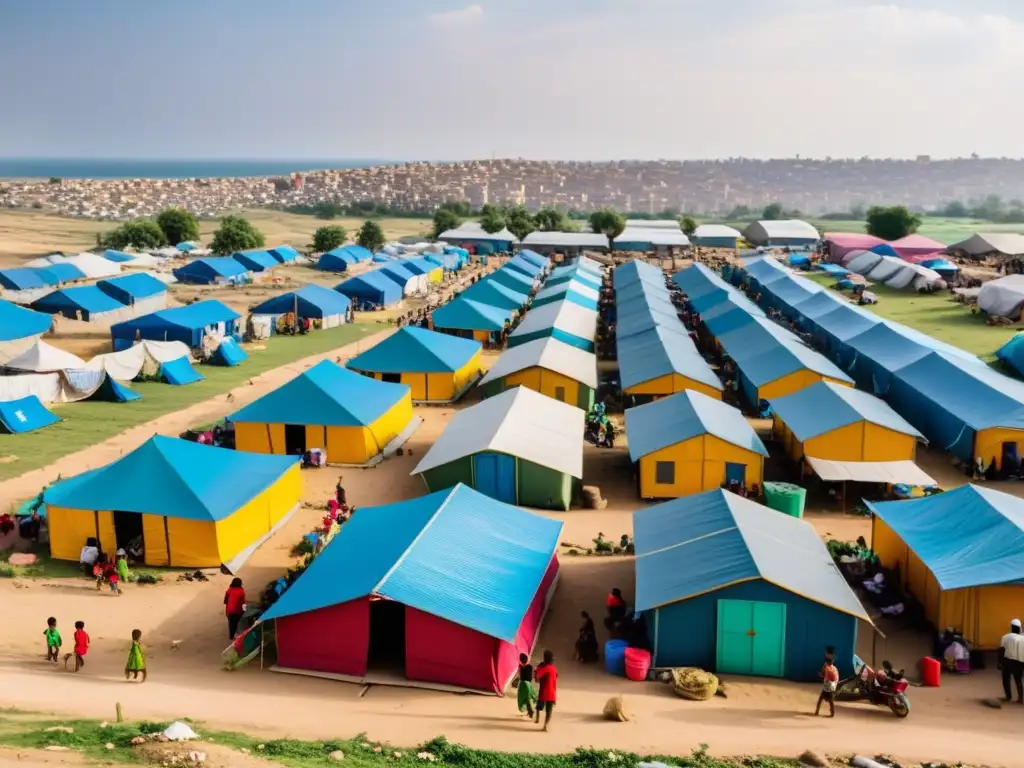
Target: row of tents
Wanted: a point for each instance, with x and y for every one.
(894, 271)
(209, 270)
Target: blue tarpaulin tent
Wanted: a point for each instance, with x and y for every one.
(20, 323)
(284, 253)
(464, 314)
(488, 291)
(128, 289)
(513, 280)
(258, 260)
(524, 266)
(119, 257)
(180, 372)
(309, 301)
(1011, 354)
(25, 415)
(416, 349)
(87, 301)
(210, 270)
(643, 317)
(186, 324)
(59, 272)
(340, 259)
(658, 352)
(371, 288)
(535, 258)
(714, 561)
(21, 279)
(229, 353)
(633, 271)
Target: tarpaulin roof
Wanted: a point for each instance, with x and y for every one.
(464, 314)
(488, 291)
(652, 238)
(256, 260)
(522, 264)
(701, 543)
(581, 289)
(592, 240)
(43, 358)
(634, 271)
(564, 316)
(892, 346)
(312, 301)
(21, 279)
(1003, 243)
(852, 240)
(765, 352)
(968, 537)
(20, 323)
(658, 352)
(683, 416)
(519, 422)
(548, 353)
(766, 270)
(210, 268)
(629, 302)
(60, 272)
(761, 232)
(728, 315)
(283, 253)
(175, 478)
(824, 407)
(793, 289)
(412, 349)
(535, 258)
(845, 321)
(1011, 354)
(419, 265)
(455, 554)
(397, 271)
(890, 472)
(341, 258)
(1003, 297)
(191, 316)
(642, 317)
(127, 288)
(26, 414)
(916, 244)
(512, 279)
(86, 298)
(715, 231)
(577, 272)
(328, 395)
(471, 230)
(372, 285)
(118, 256)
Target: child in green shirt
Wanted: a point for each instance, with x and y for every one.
(53, 641)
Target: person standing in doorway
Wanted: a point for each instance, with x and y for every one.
(234, 606)
(547, 684)
(1011, 661)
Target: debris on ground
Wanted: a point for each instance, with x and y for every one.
(615, 710)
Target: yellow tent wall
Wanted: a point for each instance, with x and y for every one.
(988, 444)
(793, 382)
(69, 528)
(546, 382)
(257, 518)
(436, 275)
(670, 385)
(860, 441)
(437, 387)
(344, 445)
(981, 613)
(699, 466)
(482, 336)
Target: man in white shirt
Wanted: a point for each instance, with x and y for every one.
(1011, 660)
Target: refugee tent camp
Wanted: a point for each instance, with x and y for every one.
(489, 291)
(524, 266)
(409, 281)
(448, 588)
(560, 371)
(59, 272)
(782, 232)
(21, 279)
(573, 290)
(437, 367)
(518, 447)
(574, 271)
(1003, 297)
(470, 319)
(961, 554)
(193, 505)
(513, 280)
(340, 259)
(44, 358)
(141, 291)
(562, 320)
(83, 302)
(534, 258)
(659, 362)
(728, 585)
(19, 328)
(715, 236)
(422, 266)
(355, 419)
(374, 288)
(191, 324)
(283, 253)
(634, 271)
(828, 421)
(312, 301)
(256, 260)
(212, 269)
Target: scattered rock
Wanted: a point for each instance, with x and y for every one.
(245, 750)
(615, 710)
(59, 729)
(429, 757)
(161, 737)
(21, 558)
(377, 750)
(812, 758)
(55, 748)
(108, 746)
(261, 747)
(197, 757)
(396, 755)
(138, 740)
(337, 755)
(104, 724)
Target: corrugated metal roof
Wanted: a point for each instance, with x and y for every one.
(643, 317)
(572, 285)
(518, 422)
(488, 291)
(685, 415)
(890, 472)
(455, 554)
(765, 352)
(464, 314)
(697, 544)
(418, 350)
(824, 407)
(653, 237)
(564, 315)
(635, 271)
(471, 230)
(659, 352)
(326, 394)
(566, 240)
(548, 353)
(967, 537)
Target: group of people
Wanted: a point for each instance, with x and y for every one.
(97, 564)
(133, 669)
(537, 689)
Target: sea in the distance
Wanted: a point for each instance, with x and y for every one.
(128, 168)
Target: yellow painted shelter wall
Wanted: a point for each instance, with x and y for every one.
(988, 444)
(417, 383)
(546, 382)
(258, 517)
(670, 385)
(881, 444)
(155, 537)
(700, 466)
(482, 336)
(69, 528)
(861, 441)
(793, 382)
(468, 373)
(193, 543)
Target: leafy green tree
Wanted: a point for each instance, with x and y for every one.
(178, 225)
(891, 223)
(236, 234)
(458, 207)
(688, 225)
(552, 220)
(328, 238)
(492, 219)
(772, 212)
(139, 234)
(609, 223)
(739, 212)
(519, 221)
(444, 220)
(371, 236)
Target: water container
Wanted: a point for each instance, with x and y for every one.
(931, 672)
(786, 498)
(615, 657)
(638, 664)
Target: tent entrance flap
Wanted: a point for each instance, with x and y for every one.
(127, 528)
(294, 439)
(387, 637)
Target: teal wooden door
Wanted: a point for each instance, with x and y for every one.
(751, 638)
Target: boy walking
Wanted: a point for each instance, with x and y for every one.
(829, 682)
(547, 684)
(526, 694)
(53, 640)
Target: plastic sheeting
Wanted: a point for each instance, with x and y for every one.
(143, 358)
(1003, 297)
(25, 415)
(412, 349)
(229, 353)
(180, 372)
(43, 358)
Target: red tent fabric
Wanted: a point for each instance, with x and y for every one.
(916, 245)
(842, 243)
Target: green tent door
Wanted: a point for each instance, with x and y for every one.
(751, 638)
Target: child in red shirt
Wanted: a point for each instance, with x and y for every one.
(81, 645)
(547, 685)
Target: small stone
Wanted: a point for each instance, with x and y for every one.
(813, 759)
(104, 724)
(55, 748)
(138, 740)
(337, 755)
(245, 751)
(396, 755)
(108, 746)
(612, 757)
(261, 747)
(377, 750)
(426, 756)
(161, 737)
(197, 757)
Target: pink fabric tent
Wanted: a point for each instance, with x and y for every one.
(844, 242)
(916, 245)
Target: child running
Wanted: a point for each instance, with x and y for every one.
(526, 694)
(136, 660)
(547, 683)
(53, 640)
(81, 646)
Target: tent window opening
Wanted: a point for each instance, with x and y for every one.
(294, 439)
(665, 472)
(391, 378)
(387, 636)
(560, 394)
(128, 532)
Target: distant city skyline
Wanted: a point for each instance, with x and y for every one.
(455, 79)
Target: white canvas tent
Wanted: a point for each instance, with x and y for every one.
(1003, 297)
(43, 358)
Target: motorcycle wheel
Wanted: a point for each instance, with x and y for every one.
(899, 706)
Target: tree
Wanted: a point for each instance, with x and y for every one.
(609, 223)
(688, 225)
(236, 234)
(371, 236)
(739, 212)
(891, 223)
(552, 220)
(444, 220)
(139, 234)
(519, 221)
(491, 219)
(772, 212)
(178, 225)
(458, 207)
(328, 238)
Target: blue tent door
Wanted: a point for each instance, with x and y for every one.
(735, 473)
(495, 476)
(751, 638)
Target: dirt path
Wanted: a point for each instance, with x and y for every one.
(215, 408)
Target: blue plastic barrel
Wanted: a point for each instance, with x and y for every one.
(615, 657)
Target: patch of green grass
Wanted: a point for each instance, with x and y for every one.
(88, 738)
(87, 423)
(45, 567)
(936, 315)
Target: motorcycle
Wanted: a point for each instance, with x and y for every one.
(882, 688)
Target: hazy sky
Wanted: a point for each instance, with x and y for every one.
(567, 79)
